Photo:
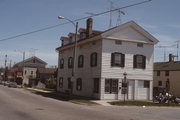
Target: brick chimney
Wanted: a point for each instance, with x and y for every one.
(89, 24)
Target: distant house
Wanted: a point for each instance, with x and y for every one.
(46, 73)
(102, 58)
(29, 68)
(167, 73)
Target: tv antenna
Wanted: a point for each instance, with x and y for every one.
(165, 47)
(177, 45)
(32, 52)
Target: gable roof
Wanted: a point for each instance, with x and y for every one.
(47, 70)
(135, 26)
(172, 66)
(100, 34)
(31, 58)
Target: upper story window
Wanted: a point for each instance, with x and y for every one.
(79, 84)
(117, 59)
(139, 44)
(80, 61)
(31, 72)
(166, 73)
(93, 59)
(118, 42)
(70, 39)
(158, 73)
(139, 61)
(70, 62)
(82, 35)
(62, 63)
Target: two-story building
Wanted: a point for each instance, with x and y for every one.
(102, 58)
(167, 76)
(29, 67)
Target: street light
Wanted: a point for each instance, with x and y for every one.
(75, 46)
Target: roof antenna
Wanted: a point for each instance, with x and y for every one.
(32, 52)
(111, 8)
(119, 21)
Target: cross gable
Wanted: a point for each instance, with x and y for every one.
(130, 31)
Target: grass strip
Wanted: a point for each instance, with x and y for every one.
(142, 103)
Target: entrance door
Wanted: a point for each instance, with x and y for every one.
(131, 90)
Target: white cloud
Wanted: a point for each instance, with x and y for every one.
(147, 26)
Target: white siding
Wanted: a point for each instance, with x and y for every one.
(129, 49)
(129, 33)
(143, 93)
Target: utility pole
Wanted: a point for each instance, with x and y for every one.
(5, 69)
(177, 49)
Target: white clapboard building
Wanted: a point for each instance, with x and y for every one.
(102, 58)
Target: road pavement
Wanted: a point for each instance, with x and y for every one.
(20, 104)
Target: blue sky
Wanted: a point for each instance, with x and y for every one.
(159, 17)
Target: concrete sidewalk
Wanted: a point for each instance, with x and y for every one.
(103, 102)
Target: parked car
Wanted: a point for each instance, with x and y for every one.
(12, 84)
(6, 83)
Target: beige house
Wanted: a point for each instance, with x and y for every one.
(29, 67)
(167, 71)
(102, 58)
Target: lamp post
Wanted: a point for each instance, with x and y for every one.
(74, 48)
(124, 85)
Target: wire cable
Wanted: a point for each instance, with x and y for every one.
(50, 27)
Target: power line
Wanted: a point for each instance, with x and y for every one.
(50, 27)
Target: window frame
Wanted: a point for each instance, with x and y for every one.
(60, 82)
(109, 87)
(82, 35)
(96, 85)
(167, 72)
(61, 63)
(81, 63)
(121, 62)
(158, 73)
(140, 45)
(93, 59)
(78, 84)
(141, 65)
(69, 83)
(146, 84)
(70, 65)
(118, 42)
(159, 83)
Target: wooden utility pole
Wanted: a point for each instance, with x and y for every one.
(5, 68)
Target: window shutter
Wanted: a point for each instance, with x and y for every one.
(122, 60)
(144, 62)
(95, 59)
(91, 60)
(112, 59)
(134, 62)
(82, 64)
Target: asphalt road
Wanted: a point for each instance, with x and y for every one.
(19, 104)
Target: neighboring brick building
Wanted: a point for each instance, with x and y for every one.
(167, 71)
